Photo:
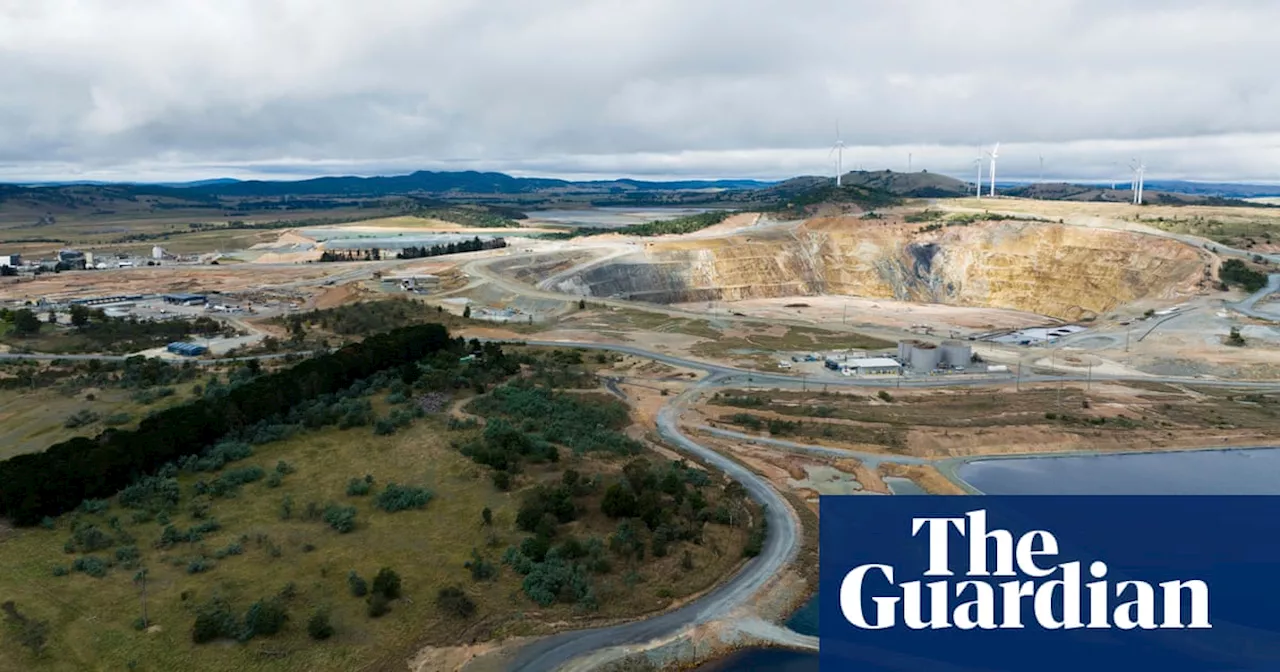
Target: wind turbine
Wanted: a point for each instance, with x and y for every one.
(838, 150)
(994, 154)
(1139, 172)
(977, 186)
(1042, 167)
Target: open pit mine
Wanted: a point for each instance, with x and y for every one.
(1061, 271)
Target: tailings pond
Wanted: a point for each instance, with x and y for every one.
(1253, 471)
(1207, 472)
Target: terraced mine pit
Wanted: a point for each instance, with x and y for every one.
(1061, 271)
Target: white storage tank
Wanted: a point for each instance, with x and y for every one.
(956, 354)
(925, 357)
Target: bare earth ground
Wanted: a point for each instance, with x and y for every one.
(935, 424)
(880, 312)
(153, 279)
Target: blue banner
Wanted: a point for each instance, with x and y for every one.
(1049, 583)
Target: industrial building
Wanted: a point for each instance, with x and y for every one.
(187, 349)
(72, 258)
(871, 366)
(104, 300)
(186, 299)
(922, 357)
(14, 260)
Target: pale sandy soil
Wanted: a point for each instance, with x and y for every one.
(58, 286)
(925, 476)
(1109, 211)
(881, 312)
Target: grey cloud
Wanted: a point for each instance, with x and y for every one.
(661, 87)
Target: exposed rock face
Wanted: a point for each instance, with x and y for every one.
(1051, 269)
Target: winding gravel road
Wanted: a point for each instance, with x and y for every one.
(779, 550)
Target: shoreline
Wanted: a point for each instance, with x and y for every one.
(949, 467)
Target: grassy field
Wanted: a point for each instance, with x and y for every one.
(796, 339)
(31, 421)
(305, 564)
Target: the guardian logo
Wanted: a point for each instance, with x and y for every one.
(1010, 582)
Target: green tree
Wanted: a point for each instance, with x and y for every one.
(25, 322)
(387, 583)
(319, 627)
(466, 312)
(455, 603)
(79, 316)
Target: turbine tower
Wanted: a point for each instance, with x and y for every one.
(994, 154)
(977, 186)
(1139, 174)
(838, 150)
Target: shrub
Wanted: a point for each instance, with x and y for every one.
(91, 565)
(80, 418)
(384, 427)
(379, 605)
(284, 468)
(340, 518)
(151, 493)
(275, 480)
(358, 487)
(128, 556)
(481, 569)
(264, 618)
(228, 550)
(88, 538)
(358, 586)
(230, 481)
(386, 583)
(402, 498)
(884, 395)
(486, 516)
(92, 506)
(502, 480)
(286, 508)
(454, 602)
(215, 621)
(117, 419)
(199, 566)
(61, 570)
(318, 627)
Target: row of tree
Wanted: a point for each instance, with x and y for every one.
(473, 245)
(57, 480)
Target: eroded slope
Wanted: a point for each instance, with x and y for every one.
(1051, 269)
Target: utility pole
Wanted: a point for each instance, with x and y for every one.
(844, 315)
(1017, 381)
(141, 577)
(1127, 331)
(1088, 381)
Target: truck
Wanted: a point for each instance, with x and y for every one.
(997, 368)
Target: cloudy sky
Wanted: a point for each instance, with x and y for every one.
(192, 89)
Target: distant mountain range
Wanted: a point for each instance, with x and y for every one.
(251, 199)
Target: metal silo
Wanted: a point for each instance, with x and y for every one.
(925, 357)
(956, 353)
